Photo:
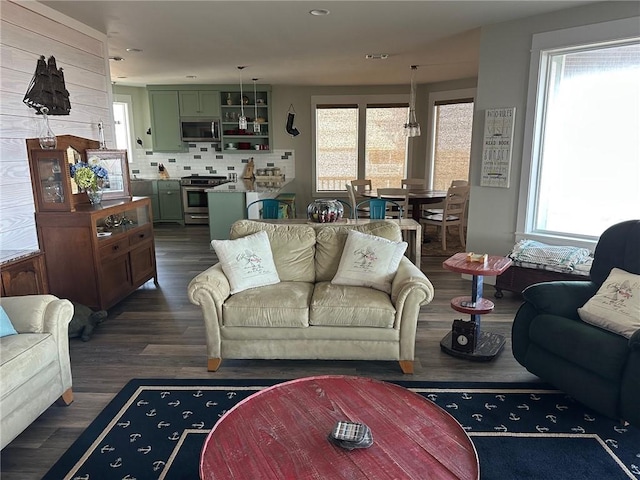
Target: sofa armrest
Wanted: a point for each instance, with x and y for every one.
(44, 314)
(410, 278)
(410, 290)
(634, 340)
(39, 313)
(209, 290)
(561, 298)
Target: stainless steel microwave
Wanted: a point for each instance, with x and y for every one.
(195, 129)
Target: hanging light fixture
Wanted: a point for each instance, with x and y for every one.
(242, 121)
(256, 125)
(412, 127)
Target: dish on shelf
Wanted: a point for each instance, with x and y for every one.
(103, 234)
(231, 148)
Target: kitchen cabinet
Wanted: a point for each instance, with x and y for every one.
(256, 109)
(165, 121)
(200, 103)
(22, 274)
(98, 254)
(169, 201)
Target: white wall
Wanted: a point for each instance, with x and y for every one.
(502, 82)
(28, 30)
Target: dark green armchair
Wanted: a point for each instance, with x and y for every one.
(598, 368)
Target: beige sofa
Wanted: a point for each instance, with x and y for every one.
(305, 316)
(35, 370)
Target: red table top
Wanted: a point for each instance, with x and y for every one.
(495, 265)
(281, 433)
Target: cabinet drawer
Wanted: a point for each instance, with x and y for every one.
(118, 247)
(164, 185)
(141, 235)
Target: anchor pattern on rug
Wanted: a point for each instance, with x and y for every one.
(141, 440)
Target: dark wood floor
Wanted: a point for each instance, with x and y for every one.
(156, 332)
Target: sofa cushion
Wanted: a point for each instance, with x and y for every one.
(348, 306)
(292, 245)
(285, 304)
(616, 304)
(331, 239)
(369, 261)
(598, 351)
(247, 262)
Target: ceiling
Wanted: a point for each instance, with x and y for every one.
(281, 43)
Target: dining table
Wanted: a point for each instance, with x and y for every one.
(417, 198)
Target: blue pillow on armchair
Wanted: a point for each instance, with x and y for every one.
(6, 327)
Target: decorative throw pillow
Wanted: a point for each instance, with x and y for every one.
(369, 261)
(616, 305)
(247, 262)
(6, 327)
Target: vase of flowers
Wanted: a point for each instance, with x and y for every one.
(90, 178)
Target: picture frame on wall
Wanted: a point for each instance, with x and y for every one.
(115, 162)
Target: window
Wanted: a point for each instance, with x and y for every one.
(453, 126)
(359, 137)
(583, 140)
(122, 124)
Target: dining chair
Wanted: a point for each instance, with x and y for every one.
(378, 208)
(354, 199)
(361, 184)
(454, 213)
(410, 183)
(400, 196)
(440, 205)
(272, 208)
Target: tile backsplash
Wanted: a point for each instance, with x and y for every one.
(204, 159)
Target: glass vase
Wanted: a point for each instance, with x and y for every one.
(47, 138)
(325, 210)
(95, 196)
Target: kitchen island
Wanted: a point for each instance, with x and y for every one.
(228, 202)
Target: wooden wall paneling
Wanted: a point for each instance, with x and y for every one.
(21, 16)
(27, 33)
(34, 41)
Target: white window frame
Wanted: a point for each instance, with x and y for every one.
(121, 98)
(444, 96)
(361, 101)
(613, 31)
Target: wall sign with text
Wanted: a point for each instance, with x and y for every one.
(497, 146)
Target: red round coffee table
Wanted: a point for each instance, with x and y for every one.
(280, 433)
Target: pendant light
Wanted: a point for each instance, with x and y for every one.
(242, 121)
(412, 127)
(256, 125)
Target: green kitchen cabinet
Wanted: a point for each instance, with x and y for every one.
(165, 121)
(257, 109)
(199, 103)
(169, 202)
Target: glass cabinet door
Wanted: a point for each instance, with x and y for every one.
(51, 180)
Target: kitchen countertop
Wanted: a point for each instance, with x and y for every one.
(243, 186)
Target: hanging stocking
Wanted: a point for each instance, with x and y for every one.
(291, 130)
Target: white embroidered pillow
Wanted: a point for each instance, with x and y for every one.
(369, 261)
(247, 262)
(616, 304)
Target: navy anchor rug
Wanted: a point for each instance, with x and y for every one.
(155, 429)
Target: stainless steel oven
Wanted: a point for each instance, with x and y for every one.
(194, 197)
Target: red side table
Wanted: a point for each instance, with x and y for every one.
(488, 344)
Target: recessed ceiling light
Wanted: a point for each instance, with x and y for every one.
(122, 77)
(134, 50)
(191, 76)
(319, 12)
(376, 56)
(116, 59)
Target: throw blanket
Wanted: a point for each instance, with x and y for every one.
(566, 259)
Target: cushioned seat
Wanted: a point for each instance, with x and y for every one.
(598, 367)
(343, 305)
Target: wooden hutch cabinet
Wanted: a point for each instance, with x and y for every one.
(99, 254)
(95, 255)
(22, 273)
